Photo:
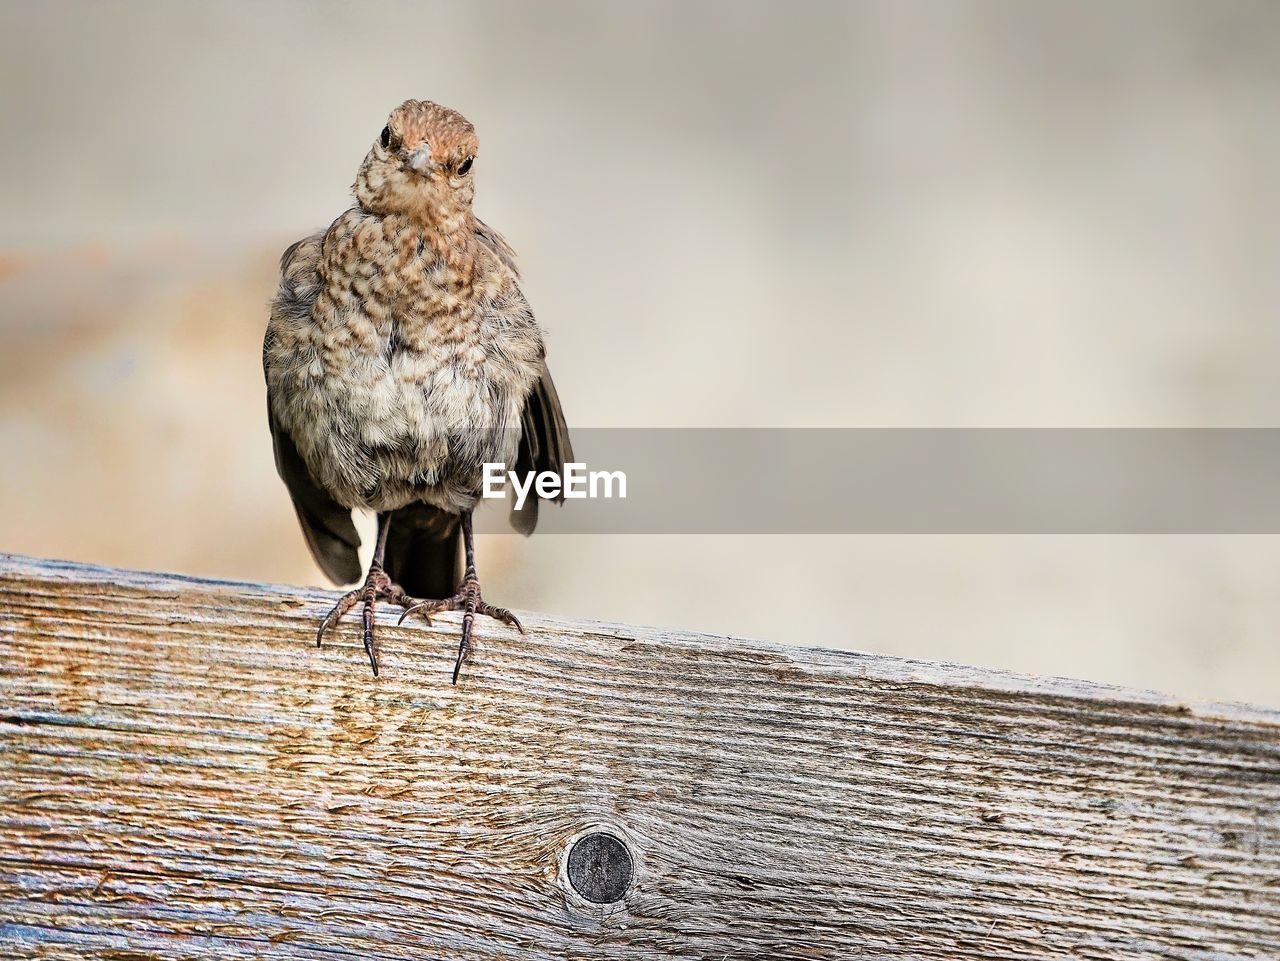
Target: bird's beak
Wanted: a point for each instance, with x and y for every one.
(420, 160)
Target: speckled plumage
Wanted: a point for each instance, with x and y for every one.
(400, 355)
(400, 349)
(396, 374)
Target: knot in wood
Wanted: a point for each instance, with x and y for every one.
(600, 868)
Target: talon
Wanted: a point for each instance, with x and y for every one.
(470, 602)
(503, 615)
(417, 608)
(463, 645)
(377, 587)
(345, 603)
(368, 634)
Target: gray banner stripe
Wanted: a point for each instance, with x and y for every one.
(937, 481)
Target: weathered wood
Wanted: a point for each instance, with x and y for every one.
(185, 775)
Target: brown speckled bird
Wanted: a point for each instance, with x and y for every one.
(400, 357)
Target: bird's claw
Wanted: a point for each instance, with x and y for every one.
(377, 587)
(469, 600)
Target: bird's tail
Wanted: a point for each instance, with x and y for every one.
(422, 551)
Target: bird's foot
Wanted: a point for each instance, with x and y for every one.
(469, 600)
(377, 587)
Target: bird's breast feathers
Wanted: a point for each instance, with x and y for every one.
(409, 371)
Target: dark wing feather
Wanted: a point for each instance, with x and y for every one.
(544, 445)
(544, 438)
(325, 524)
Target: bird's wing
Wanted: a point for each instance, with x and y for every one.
(326, 525)
(498, 244)
(544, 445)
(544, 435)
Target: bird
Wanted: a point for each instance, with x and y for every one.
(401, 356)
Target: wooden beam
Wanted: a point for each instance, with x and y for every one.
(183, 774)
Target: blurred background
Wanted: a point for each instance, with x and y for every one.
(892, 213)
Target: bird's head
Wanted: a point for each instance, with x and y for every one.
(420, 165)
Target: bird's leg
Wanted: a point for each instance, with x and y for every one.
(468, 599)
(377, 587)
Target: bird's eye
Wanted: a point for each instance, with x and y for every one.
(464, 168)
(386, 136)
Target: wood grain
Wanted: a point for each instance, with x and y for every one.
(183, 774)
